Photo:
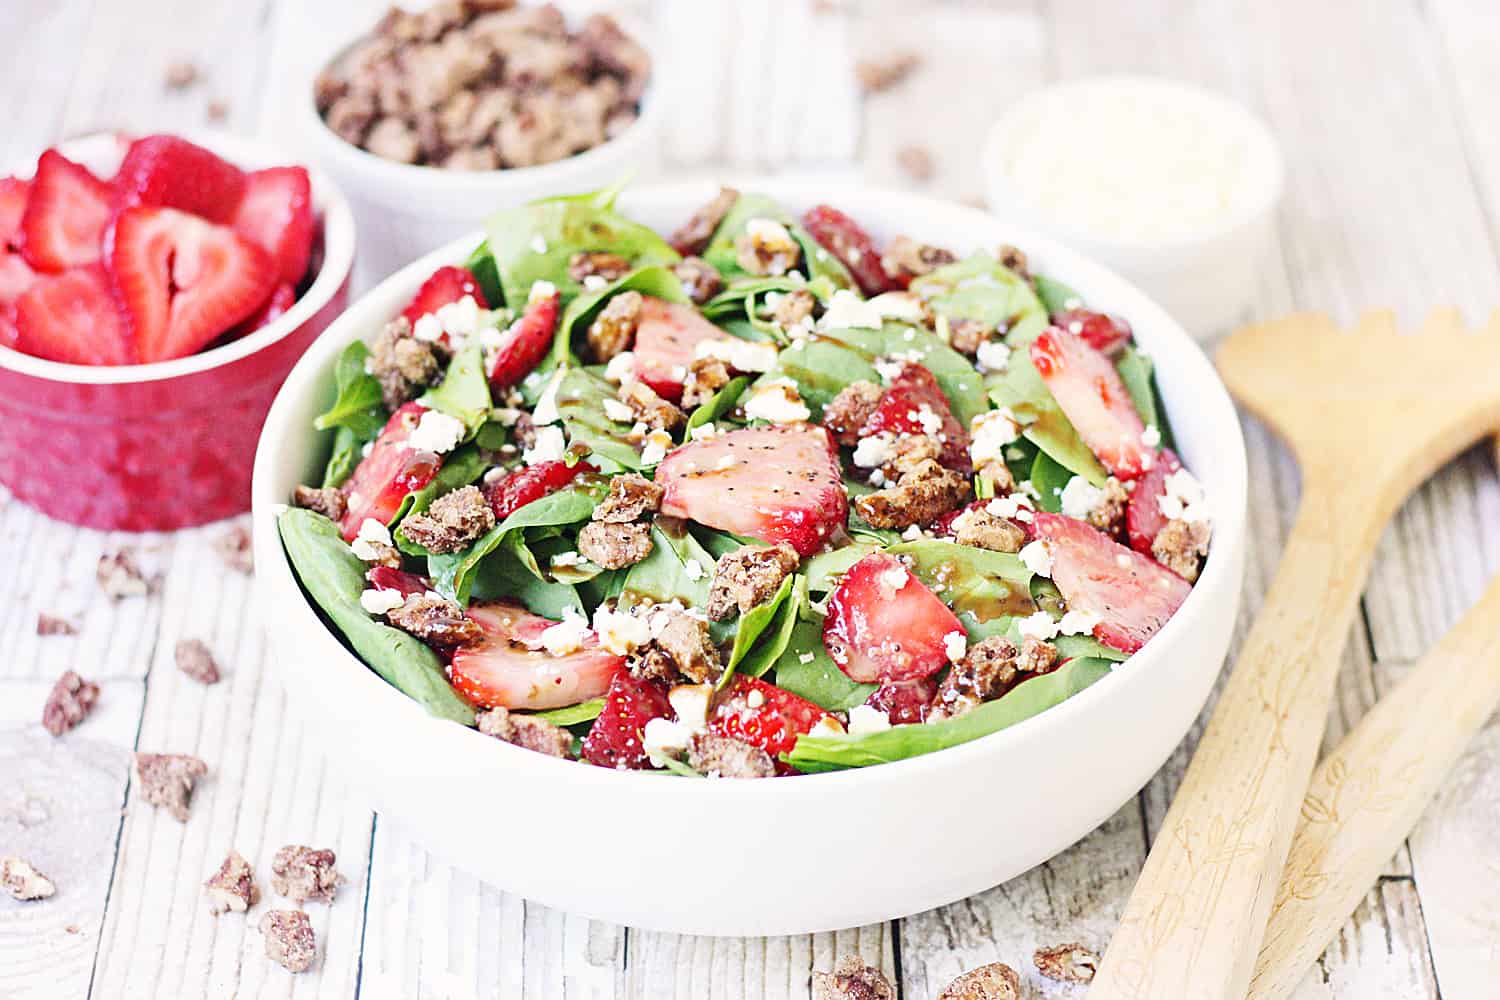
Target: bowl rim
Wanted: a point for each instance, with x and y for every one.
(1270, 182)
(338, 262)
(278, 586)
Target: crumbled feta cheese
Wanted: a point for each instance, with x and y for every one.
(955, 645)
(726, 462)
(637, 432)
(991, 431)
(460, 319)
(927, 418)
(567, 636)
(741, 355)
(807, 657)
(1122, 560)
(768, 232)
(381, 602)
(1080, 497)
(491, 340)
(1016, 506)
(1184, 499)
(704, 431)
(494, 475)
(678, 372)
(903, 306)
(618, 411)
(621, 368)
(1036, 557)
(428, 328)
(865, 719)
(372, 533)
(693, 569)
(540, 290)
(755, 699)
(913, 533)
(777, 401)
(1037, 626)
(892, 580)
(595, 282)
(436, 432)
(663, 739)
(1078, 623)
(993, 356)
(567, 559)
(691, 702)
(545, 411)
(620, 632)
(1151, 436)
(548, 447)
(364, 452)
(826, 726)
(1027, 487)
(655, 447)
(847, 310)
(874, 451)
(888, 369)
(538, 244)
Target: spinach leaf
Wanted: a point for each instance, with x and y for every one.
(572, 328)
(1050, 479)
(464, 393)
(719, 543)
(461, 467)
(343, 458)
(980, 288)
(358, 404)
(826, 569)
(805, 669)
(334, 577)
(1139, 375)
(1056, 296)
(481, 264)
(751, 624)
(1029, 698)
(777, 634)
(663, 576)
(1043, 422)
(511, 573)
(722, 402)
(580, 401)
(976, 583)
(572, 715)
(816, 262)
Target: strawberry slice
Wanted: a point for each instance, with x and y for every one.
(773, 722)
(1091, 395)
(1132, 595)
(665, 340)
(615, 739)
(1143, 516)
(184, 281)
(848, 241)
(73, 318)
(778, 484)
(13, 195)
(9, 335)
(510, 668)
(390, 578)
(388, 473)
(169, 172)
(884, 624)
(15, 276)
(914, 404)
(283, 297)
(527, 341)
(276, 214)
(529, 483)
(65, 215)
(1104, 333)
(443, 286)
(904, 701)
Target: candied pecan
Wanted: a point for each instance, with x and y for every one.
(523, 432)
(793, 308)
(527, 731)
(649, 408)
(686, 641)
(917, 162)
(166, 780)
(1013, 259)
(700, 279)
(181, 74)
(1037, 656)
(983, 530)
(617, 53)
(351, 116)
(475, 158)
(1067, 963)
(998, 475)
(232, 887)
(920, 496)
(1180, 546)
(652, 663)
(290, 941)
(909, 452)
(301, 873)
(1108, 515)
(613, 330)
(705, 377)
(71, 700)
(452, 522)
(905, 258)
(197, 661)
(724, 757)
(597, 264)
(987, 671)
(614, 546)
(631, 497)
(766, 248)
(402, 364)
(326, 501)
(390, 138)
(748, 576)
(22, 881)
(996, 981)
(120, 576)
(847, 412)
(883, 72)
(435, 619)
(54, 625)
(694, 235)
(966, 336)
(233, 547)
(852, 979)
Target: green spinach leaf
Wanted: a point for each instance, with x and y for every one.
(572, 715)
(980, 288)
(805, 669)
(1139, 375)
(751, 624)
(358, 404)
(1056, 296)
(1043, 422)
(663, 575)
(464, 393)
(976, 583)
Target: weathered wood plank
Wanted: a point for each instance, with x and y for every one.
(680, 967)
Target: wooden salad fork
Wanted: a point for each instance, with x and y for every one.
(1369, 414)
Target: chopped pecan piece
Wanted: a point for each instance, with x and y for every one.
(402, 364)
(290, 941)
(166, 780)
(910, 452)
(996, 981)
(232, 887)
(847, 412)
(120, 576)
(1037, 656)
(613, 330)
(614, 546)
(988, 670)
(326, 501)
(922, 495)
(390, 138)
(1013, 259)
(998, 475)
(917, 162)
(651, 663)
(631, 497)
(71, 700)
(882, 72)
(1181, 545)
(19, 879)
(1108, 514)
(685, 640)
(1067, 963)
(794, 309)
(705, 377)
(302, 873)
(748, 576)
(436, 620)
(181, 74)
(694, 235)
(766, 248)
(700, 279)
(617, 53)
(983, 530)
(649, 408)
(527, 731)
(597, 264)
(452, 522)
(723, 757)
(852, 979)
(54, 625)
(966, 336)
(196, 660)
(905, 258)
(233, 547)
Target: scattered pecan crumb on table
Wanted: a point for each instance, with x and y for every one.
(233, 546)
(290, 942)
(166, 780)
(181, 74)
(54, 625)
(1067, 963)
(22, 881)
(916, 161)
(879, 73)
(232, 887)
(996, 981)
(70, 702)
(852, 979)
(197, 661)
(120, 576)
(301, 873)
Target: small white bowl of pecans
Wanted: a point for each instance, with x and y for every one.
(433, 118)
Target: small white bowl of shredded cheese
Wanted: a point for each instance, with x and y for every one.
(1171, 185)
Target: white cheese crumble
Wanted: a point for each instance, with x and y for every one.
(926, 418)
(460, 319)
(741, 355)
(1078, 623)
(372, 533)
(595, 282)
(903, 306)
(428, 328)
(806, 657)
(755, 699)
(691, 702)
(620, 632)
(1183, 499)
(1015, 506)
(847, 310)
(1036, 557)
(865, 719)
(1080, 497)
(663, 739)
(545, 411)
(777, 401)
(567, 636)
(436, 432)
(955, 645)
(621, 368)
(567, 559)
(1037, 626)
(704, 431)
(494, 475)
(891, 580)
(618, 411)
(381, 602)
(826, 727)
(889, 369)
(548, 447)
(655, 447)
(991, 431)
(1151, 436)
(540, 290)
(874, 451)
(693, 569)
(992, 356)
(914, 532)
(538, 244)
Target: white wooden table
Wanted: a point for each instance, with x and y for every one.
(1385, 113)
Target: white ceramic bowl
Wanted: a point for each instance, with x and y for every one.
(1206, 280)
(405, 210)
(786, 855)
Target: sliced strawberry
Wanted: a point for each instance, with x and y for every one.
(1132, 595)
(283, 297)
(9, 335)
(1091, 395)
(778, 484)
(169, 172)
(616, 737)
(73, 317)
(443, 286)
(511, 668)
(884, 624)
(184, 281)
(402, 582)
(914, 404)
(904, 701)
(527, 341)
(388, 473)
(529, 483)
(65, 215)
(15, 276)
(666, 338)
(13, 195)
(1104, 333)
(1143, 516)
(276, 214)
(771, 721)
(848, 241)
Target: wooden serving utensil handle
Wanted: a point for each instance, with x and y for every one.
(1194, 922)
(1367, 795)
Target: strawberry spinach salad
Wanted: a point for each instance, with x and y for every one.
(756, 499)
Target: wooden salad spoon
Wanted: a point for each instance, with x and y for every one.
(1369, 414)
